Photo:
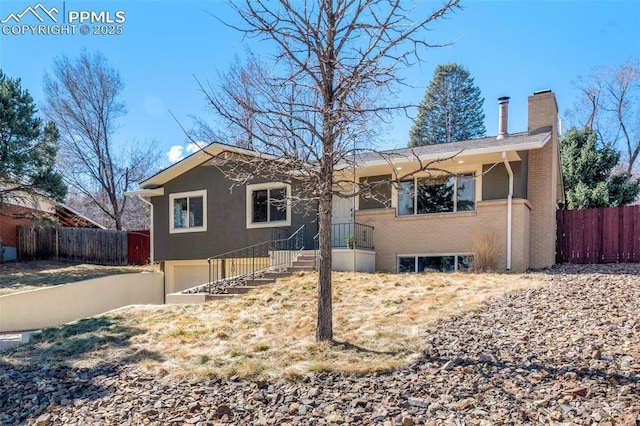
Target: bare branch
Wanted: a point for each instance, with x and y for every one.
(315, 106)
(610, 105)
(83, 98)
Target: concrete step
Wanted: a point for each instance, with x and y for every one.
(309, 263)
(275, 275)
(255, 282)
(294, 269)
(306, 258)
(237, 290)
(214, 297)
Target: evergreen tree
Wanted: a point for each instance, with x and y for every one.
(451, 109)
(27, 147)
(589, 177)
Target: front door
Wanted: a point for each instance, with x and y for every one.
(342, 220)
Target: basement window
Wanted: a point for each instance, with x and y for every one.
(425, 263)
(188, 212)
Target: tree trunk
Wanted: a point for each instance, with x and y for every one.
(324, 329)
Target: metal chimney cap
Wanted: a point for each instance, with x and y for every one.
(502, 99)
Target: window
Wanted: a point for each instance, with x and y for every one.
(268, 205)
(447, 263)
(375, 192)
(188, 212)
(437, 195)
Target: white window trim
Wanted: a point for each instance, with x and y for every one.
(203, 228)
(249, 205)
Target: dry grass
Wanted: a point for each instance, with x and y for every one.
(486, 247)
(380, 321)
(31, 275)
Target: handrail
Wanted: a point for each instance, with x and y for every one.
(352, 235)
(251, 260)
(316, 246)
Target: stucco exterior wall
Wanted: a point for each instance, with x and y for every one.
(344, 260)
(448, 233)
(226, 218)
(495, 181)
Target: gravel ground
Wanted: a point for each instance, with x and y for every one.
(567, 353)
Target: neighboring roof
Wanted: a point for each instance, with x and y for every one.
(72, 218)
(65, 214)
(489, 145)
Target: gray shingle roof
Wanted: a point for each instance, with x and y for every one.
(513, 142)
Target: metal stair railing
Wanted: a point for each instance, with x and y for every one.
(346, 235)
(253, 260)
(316, 249)
(352, 235)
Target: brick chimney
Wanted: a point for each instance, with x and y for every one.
(544, 186)
(543, 112)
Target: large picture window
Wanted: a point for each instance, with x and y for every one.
(437, 195)
(268, 205)
(188, 212)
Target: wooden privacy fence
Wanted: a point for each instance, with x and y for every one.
(604, 235)
(88, 245)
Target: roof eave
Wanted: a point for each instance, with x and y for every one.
(194, 160)
(465, 152)
(155, 192)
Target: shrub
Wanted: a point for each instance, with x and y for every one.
(486, 247)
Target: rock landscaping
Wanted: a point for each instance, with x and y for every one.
(566, 353)
(219, 287)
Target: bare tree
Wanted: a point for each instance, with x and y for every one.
(136, 215)
(83, 98)
(311, 110)
(609, 104)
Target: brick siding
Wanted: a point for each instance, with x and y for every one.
(543, 182)
(12, 216)
(533, 225)
(448, 233)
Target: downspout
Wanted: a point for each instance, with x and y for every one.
(509, 207)
(151, 254)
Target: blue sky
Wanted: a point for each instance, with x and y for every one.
(511, 48)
